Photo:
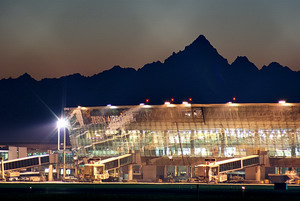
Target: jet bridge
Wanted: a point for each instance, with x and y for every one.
(216, 171)
(109, 167)
(117, 162)
(26, 162)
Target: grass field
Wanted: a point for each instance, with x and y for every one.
(127, 191)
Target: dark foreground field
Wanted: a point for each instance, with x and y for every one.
(123, 192)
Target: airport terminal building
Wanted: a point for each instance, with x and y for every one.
(183, 135)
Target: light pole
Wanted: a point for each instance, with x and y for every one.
(58, 136)
(64, 153)
(62, 123)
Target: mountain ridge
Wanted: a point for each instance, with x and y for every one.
(198, 72)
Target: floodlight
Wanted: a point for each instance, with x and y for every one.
(61, 123)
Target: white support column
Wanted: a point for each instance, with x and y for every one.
(165, 172)
(130, 172)
(2, 168)
(192, 171)
(121, 173)
(258, 174)
(50, 174)
(188, 172)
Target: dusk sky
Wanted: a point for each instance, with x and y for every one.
(52, 38)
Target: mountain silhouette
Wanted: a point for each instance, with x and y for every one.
(28, 107)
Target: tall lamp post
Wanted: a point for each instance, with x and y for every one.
(62, 123)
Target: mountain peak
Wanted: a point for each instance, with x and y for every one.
(25, 76)
(242, 65)
(274, 66)
(201, 38)
(200, 54)
(241, 59)
(200, 42)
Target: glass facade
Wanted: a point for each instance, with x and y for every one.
(4, 154)
(197, 130)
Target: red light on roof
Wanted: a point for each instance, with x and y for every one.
(233, 98)
(147, 100)
(172, 99)
(190, 99)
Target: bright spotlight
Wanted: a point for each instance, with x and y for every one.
(61, 123)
